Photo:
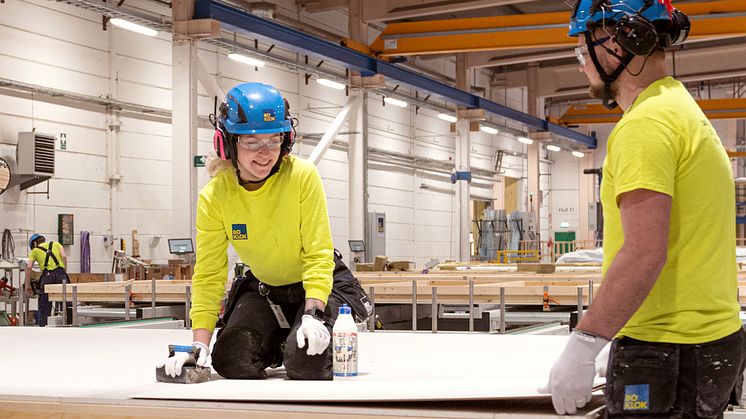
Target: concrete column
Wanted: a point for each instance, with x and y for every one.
(184, 136)
(357, 148)
(586, 196)
(533, 203)
(463, 147)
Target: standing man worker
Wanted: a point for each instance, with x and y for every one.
(52, 261)
(669, 293)
(270, 207)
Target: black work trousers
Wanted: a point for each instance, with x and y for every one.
(665, 380)
(252, 339)
(56, 276)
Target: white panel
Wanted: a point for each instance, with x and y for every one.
(76, 166)
(23, 70)
(146, 171)
(145, 197)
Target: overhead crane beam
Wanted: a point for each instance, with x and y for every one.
(597, 114)
(238, 20)
(709, 20)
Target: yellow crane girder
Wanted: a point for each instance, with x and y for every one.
(539, 30)
(597, 114)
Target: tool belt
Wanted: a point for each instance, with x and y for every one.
(346, 289)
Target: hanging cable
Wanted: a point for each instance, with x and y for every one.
(8, 246)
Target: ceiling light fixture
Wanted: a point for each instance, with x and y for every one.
(488, 130)
(525, 140)
(552, 147)
(578, 154)
(246, 60)
(447, 117)
(331, 83)
(395, 102)
(133, 27)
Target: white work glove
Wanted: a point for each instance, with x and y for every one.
(316, 333)
(174, 363)
(602, 360)
(571, 378)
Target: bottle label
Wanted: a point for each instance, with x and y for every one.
(345, 354)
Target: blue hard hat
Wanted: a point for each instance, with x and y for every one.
(34, 237)
(613, 10)
(254, 108)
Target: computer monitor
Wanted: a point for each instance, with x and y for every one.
(356, 246)
(180, 246)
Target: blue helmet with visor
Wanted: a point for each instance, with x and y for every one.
(254, 108)
(33, 239)
(640, 27)
(596, 11)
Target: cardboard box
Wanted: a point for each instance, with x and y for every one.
(363, 267)
(380, 263)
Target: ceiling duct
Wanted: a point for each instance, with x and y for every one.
(257, 8)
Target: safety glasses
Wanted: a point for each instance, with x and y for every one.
(582, 50)
(251, 143)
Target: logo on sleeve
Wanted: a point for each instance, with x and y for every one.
(269, 115)
(239, 232)
(637, 397)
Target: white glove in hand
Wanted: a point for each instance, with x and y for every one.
(316, 333)
(602, 360)
(571, 378)
(174, 363)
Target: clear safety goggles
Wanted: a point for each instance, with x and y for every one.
(582, 51)
(252, 143)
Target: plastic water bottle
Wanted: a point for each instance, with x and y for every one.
(345, 344)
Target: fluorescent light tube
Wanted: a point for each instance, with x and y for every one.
(552, 147)
(447, 117)
(525, 140)
(134, 27)
(330, 83)
(488, 130)
(246, 60)
(395, 102)
(578, 154)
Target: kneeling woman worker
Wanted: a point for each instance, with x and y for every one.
(270, 206)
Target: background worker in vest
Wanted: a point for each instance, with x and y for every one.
(669, 293)
(52, 262)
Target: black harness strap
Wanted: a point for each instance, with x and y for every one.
(49, 254)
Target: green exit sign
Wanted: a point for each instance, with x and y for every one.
(200, 161)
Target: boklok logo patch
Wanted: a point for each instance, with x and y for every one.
(269, 115)
(637, 397)
(239, 232)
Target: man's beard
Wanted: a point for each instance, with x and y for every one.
(597, 90)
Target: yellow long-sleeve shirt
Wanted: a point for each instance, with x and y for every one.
(281, 231)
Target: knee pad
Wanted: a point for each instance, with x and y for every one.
(301, 366)
(238, 354)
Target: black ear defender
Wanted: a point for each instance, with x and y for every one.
(636, 35)
(288, 138)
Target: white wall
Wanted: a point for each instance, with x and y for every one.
(58, 46)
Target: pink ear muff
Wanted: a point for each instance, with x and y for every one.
(219, 144)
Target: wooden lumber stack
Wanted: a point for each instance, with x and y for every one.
(166, 291)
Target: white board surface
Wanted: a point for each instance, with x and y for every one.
(120, 363)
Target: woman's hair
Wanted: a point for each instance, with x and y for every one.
(215, 165)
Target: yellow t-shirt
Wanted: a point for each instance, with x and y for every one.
(39, 254)
(665, 143)
(281, 231)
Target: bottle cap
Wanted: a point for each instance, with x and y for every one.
(345, 309)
